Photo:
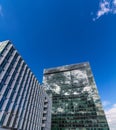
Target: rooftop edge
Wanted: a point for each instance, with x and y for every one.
(65, 68)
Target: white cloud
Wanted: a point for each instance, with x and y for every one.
(111, 117)
(1, 13)
(105, 7)
(114, 2)
(114, 105)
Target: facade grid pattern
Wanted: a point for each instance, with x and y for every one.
(22, 98)
(76, 103)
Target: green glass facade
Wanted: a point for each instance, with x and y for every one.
(76, 103)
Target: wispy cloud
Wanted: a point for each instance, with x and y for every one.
(106, 103)
(105, 7)
(1, 13)
(111, 117)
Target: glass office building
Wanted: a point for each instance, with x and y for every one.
(24, 104)
(76, 103)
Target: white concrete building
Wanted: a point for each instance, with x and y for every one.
(24, 104)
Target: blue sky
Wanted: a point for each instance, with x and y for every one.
(50, 33)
